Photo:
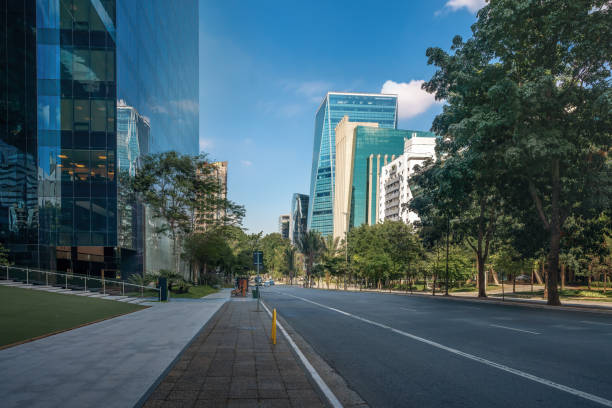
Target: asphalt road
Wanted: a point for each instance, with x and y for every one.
(415, 351)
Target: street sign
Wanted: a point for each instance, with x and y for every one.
(258, 258)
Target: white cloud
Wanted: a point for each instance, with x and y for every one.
(412, 100)
(205, 144)
(472, 5)
(187, 105)
(246, 163)
(159, 109)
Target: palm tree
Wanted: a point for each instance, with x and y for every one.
(290, 259)
(329, 258)
(311, 245)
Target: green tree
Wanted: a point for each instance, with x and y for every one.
(311, 245)
(331, 259)
(533, 87)
(401, 244)
(182, 192)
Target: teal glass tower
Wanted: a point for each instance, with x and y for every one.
(359, 107)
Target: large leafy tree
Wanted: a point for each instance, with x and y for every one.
(533, 88)
(182, 192)
(557, 56)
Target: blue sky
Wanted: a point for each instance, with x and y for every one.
(265, 67)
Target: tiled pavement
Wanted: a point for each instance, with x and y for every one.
(233, 363)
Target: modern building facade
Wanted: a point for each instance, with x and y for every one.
(133, 142)
(219, 174)
(362, 149)
(298, 222)
(158, 69)
(372, 108)
(283, 225)
(394, 184)
(62, 68)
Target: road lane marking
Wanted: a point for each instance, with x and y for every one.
(407, 308)
(534, 378)
(597, 323)
(331, 397)
(512, 328)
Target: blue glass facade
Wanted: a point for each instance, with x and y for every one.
(157, 69)
(376, 108)
(299, 217)
(63, 64)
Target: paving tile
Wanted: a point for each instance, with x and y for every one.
(234, 364)
(210, 403)
(243, 403)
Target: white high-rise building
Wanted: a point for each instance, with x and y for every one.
(395, 194)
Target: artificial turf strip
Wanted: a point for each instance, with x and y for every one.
(26, 314)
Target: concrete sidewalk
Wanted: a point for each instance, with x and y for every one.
(233, 363)
(108, 364)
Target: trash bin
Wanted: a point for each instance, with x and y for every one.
(256, 292)
(163, 289)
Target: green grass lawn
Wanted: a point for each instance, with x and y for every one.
(195, 292)
(27, 313)
(472, 288)
(578, 293)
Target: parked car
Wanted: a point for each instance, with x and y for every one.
(271, 282)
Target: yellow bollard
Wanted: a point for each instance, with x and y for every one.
(274, 326)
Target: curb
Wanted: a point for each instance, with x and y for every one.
(510, 302)
(324, 389)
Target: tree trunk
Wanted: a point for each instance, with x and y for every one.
(555, 237)
(562, 276)
(514, 284)
(482, 282)
(605, 282)
(589, 279)
(435, 279)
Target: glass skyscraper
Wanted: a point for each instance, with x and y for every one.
(299, 217)
(63, 66)
(158, 69)
(372, 108)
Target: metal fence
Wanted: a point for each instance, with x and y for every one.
(77, 282)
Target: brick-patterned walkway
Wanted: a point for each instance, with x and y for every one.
(233, 363)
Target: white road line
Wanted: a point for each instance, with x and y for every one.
(597, 323)
(543, 381)
(331, 397)
(512, 328)
(407, 308)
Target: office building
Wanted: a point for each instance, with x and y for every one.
(394, 185)
(218, 173)
(371, 108)
(133, 141)
(283, 225)
(298, 223)
(64, 66)
(361, 151)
